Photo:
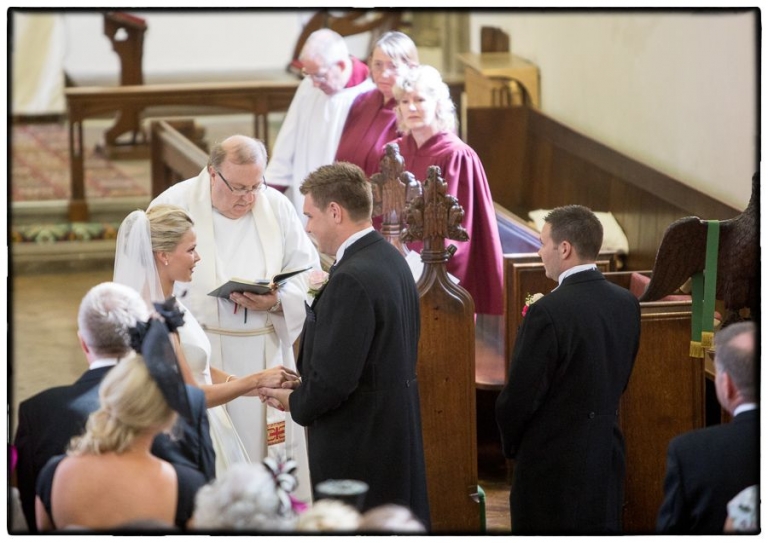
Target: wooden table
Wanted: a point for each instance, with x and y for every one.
(257, 97)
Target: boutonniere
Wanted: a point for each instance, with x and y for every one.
(531, 299)
(317, 280)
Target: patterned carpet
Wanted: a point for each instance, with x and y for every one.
(40, 173)
(40, 167)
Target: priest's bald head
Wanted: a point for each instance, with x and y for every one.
(236, 168)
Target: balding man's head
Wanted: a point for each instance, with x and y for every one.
(325, 59)
(106, 314)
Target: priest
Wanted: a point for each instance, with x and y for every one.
(247, 230)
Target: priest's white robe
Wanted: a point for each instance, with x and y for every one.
(264, 242)
(309, 136)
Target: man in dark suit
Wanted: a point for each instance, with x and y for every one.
(708, 467)
(558, 413)
(50, 419)
(358, 395)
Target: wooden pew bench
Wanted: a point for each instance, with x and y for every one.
(490, 349)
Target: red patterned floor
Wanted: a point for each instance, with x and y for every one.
(40, 167)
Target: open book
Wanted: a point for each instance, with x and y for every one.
(260, 286)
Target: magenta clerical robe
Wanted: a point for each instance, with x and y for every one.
(370, 125)
(478, 262)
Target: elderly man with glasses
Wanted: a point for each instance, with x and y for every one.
(312, 127)
(248, 230)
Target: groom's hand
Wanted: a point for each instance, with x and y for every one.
(276, 397)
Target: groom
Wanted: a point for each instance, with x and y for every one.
(358, 397)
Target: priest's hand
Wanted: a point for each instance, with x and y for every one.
(256, 302)
(276, 397)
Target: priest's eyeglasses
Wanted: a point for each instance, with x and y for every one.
(244, 191)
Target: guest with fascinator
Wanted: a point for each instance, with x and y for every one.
(50, 419)
(108, 477)
(250, 497)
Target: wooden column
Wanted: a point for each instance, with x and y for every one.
(446, 366)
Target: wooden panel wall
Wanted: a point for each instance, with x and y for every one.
(533, 162)
(664, 398)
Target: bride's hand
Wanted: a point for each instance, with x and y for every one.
(275, 377)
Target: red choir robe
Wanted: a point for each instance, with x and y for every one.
(477, 263)
(370, 125)
(359, 72)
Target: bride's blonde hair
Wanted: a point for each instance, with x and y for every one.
(167, 225)
(131, 403)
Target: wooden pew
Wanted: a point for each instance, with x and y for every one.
(490, 346)
(664, 397)
(516, 235)
(446, 368)
(496, 337)
(544, 164)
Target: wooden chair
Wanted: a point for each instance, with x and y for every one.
(126, 32)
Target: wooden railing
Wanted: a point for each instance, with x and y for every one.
(257, 97)
(174, 156)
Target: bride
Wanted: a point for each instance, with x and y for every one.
(155, 249)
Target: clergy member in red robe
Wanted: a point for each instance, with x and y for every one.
(372, 122)
(310, 133)
(426, 115)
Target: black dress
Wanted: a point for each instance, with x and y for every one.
(189, 481)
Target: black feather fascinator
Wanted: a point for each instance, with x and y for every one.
(151, 340)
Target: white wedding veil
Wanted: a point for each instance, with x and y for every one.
(134, 259)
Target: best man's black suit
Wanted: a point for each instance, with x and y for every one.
(50, 419)
(359, 398)
(558, 413)
(705, 469)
